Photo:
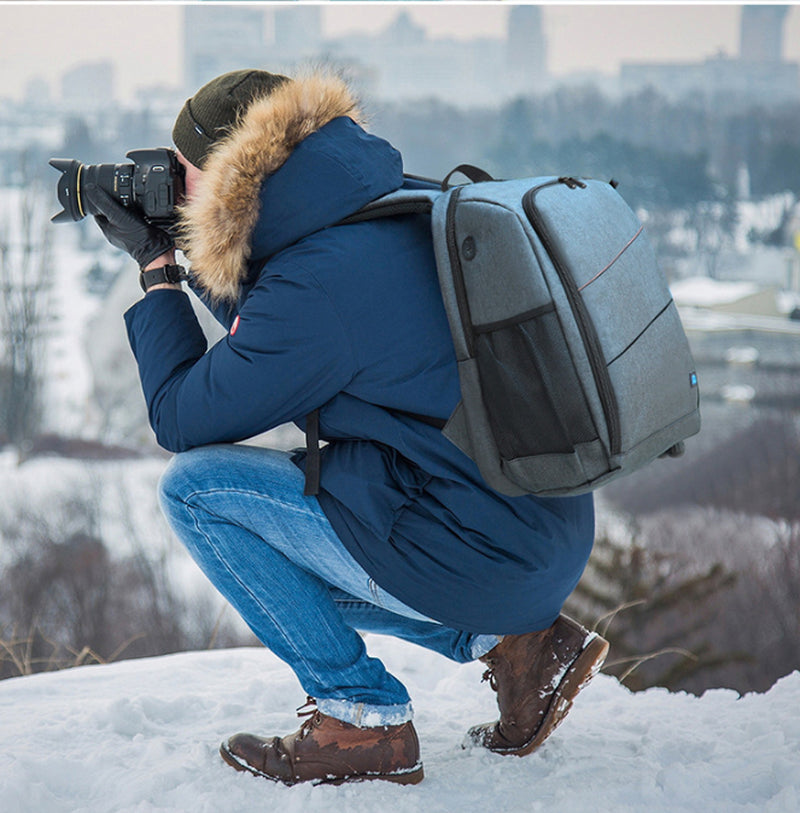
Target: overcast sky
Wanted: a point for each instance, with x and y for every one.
(44, 39)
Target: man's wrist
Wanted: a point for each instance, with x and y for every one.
(167, 258)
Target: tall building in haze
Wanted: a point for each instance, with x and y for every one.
(399, 62)
(526, 48)
(759, 74)
(221, 38)
(761, 33)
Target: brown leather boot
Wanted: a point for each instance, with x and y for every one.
(536, 677)
(327, 750)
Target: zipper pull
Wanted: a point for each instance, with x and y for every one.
(572, 183)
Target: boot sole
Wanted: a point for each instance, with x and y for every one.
(412, 776)
(578, 676)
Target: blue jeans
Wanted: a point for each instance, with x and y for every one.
(270, 550)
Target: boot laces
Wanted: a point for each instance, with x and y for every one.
(489, 675)
(312, 714)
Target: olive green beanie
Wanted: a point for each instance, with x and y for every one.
(208, 115)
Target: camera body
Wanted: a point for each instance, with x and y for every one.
(153, 185)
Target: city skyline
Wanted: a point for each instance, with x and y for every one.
(594, 38)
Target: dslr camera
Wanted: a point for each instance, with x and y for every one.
(152, 185)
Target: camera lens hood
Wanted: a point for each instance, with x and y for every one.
(68, 190)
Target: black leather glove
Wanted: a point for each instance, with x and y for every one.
(126, 229)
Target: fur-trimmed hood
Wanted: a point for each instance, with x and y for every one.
(252, 200)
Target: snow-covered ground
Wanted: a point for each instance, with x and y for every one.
(143, 736)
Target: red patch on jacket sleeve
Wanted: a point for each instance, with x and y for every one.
(235, 325)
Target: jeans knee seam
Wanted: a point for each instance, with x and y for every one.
(247, 493)
(192, 502)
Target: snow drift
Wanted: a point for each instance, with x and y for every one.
(143, 736)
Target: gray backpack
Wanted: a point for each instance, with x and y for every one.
(573, 364)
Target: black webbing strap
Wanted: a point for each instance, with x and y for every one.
(313, 459)
(312, 454)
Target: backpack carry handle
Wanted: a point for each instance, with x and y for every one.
(474, 174)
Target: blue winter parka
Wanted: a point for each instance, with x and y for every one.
(347, 319)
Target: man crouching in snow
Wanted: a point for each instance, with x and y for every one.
(344, 324)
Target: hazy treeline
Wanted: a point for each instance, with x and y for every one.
(696, 598)
(663, 153)
(74, 590)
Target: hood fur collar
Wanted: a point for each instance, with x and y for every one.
(217, 224)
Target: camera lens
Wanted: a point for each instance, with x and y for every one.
(113, 178)
(152, 184)
(116, 179)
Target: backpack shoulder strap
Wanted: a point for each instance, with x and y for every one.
(401, 202)
(416, 196)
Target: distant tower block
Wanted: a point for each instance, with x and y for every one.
(527, 47)
(298, 31)
(221, 38)
(761, 33)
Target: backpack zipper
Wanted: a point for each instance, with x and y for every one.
(584, 321)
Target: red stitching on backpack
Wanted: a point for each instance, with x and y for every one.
(622, 251)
